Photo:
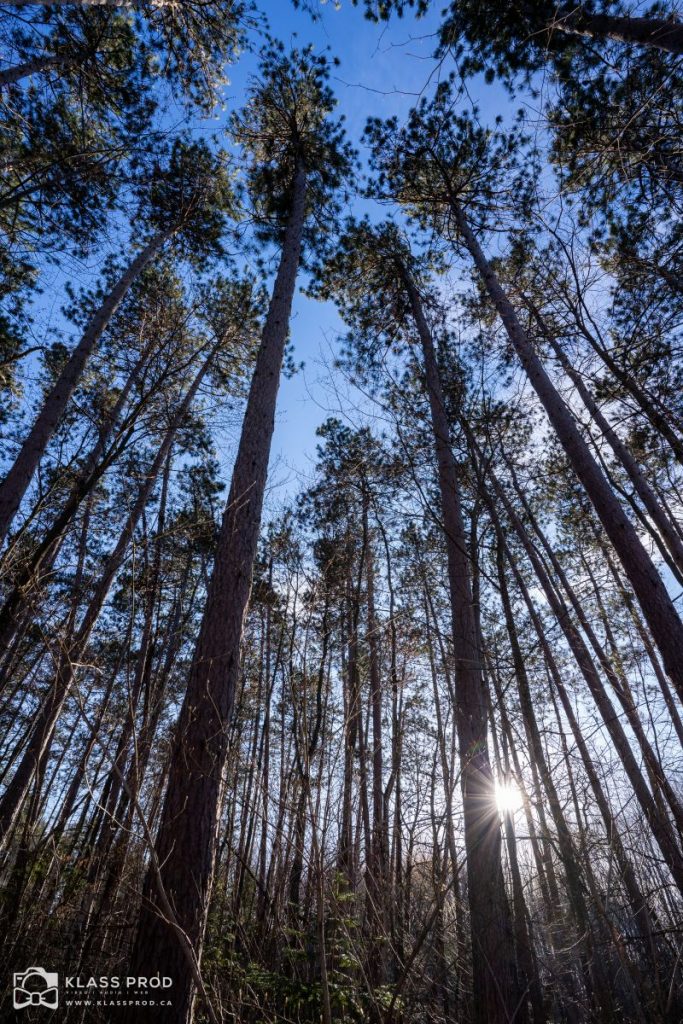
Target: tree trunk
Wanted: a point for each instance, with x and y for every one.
(15, 484)
(653, 597)
(494, 997)
(377, 874)
(46, 718)
(185, 847)
(659, 33)
(31, 67)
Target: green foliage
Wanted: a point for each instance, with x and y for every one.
(441, 155)
(72, 139)
(286, 125)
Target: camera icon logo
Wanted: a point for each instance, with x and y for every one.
(36, 987)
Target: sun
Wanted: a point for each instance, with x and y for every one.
(508, 796)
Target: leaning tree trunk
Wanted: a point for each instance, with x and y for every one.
(666, 526)
(657, 821)
(185, 847)
(652, 595)
(656, 33)
(31, 67)
(15, 484)
(494, 998)
(46, 719)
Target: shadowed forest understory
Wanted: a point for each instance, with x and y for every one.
(398, 741)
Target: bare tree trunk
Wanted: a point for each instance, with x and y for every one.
(185, 847)
(494, 996)
(305, 749)
(377, 873)
(15, 484)
(352, 723)
(31, 67)
(46, 719)
(657, 33)
(653, 597)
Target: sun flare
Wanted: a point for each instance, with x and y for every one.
(508, 797)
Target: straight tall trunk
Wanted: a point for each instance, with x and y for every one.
(352, 723)
(494, 997)
(377, 873)
(185, 847)
(305, 750)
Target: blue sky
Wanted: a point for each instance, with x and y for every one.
(384, 70)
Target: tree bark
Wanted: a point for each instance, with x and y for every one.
(658, 33)
(185, 846)
(652, 595)
(15, 484)
(31, 67)
(494, 996)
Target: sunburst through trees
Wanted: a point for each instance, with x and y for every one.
(393, 736)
